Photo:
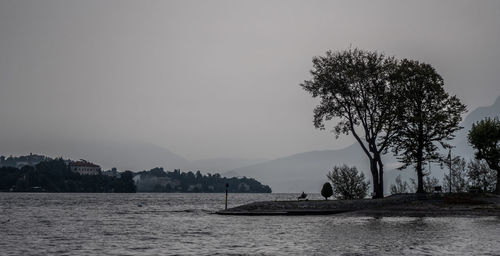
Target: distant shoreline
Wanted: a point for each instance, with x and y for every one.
(410, 205)
(142, 192)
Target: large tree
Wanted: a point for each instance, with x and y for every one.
(428, 116)
(354, 86)
(484, 136)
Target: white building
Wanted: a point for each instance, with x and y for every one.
(85, 168)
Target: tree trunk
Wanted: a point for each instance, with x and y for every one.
(374, 170)
(497, 190)
(420, 177)
(420, 156)
(380, 191)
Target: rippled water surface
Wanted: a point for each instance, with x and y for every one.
(182, 224)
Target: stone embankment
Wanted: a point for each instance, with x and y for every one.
(396, 205)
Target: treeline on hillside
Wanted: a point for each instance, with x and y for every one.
(20, 161)
(55, 176)
(157, 180)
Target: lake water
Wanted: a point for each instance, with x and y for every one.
(182, 224)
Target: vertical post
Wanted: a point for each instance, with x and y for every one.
(449, 166)
(227, 186)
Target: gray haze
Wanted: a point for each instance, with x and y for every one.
(213, 79)
(307, 171)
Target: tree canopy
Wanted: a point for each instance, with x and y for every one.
(354, 86)
(159, 180)
(55, 176)
(484, 136)
(481, 176)
(427, 116)
(327, 190)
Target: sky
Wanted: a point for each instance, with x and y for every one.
(210, 79)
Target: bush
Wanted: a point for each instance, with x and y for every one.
(348, 183)
(327, 190)
(429, 184)
(400, 187)
(481, 176)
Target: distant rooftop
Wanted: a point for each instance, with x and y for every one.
(83, 163)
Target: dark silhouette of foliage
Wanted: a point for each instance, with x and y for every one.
(429, 184)
(484, 136)
(157, 180)
(481, 176)
(327, 190)
(55, 176)
(400, 186)
(19, 161)
(348, 183)
(456, 182)
(427, 116)
(355, 86)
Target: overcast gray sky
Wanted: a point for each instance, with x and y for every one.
(212, 79)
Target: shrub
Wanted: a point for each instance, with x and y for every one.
(348, 183)
(400, 186)
(327, 190)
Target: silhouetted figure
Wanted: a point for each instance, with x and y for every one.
(302, 196)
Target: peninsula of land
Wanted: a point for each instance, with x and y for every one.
(38, 173)
(411, 205)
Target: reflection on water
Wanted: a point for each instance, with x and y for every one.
(173, 224)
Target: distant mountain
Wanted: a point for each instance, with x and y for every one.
(307, 171)
(224, 164)
(126, 155)
(304, 171)
(107, 154)
(144, 156)
(462, 147)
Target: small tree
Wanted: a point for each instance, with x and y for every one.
(458, 180)
(400, 186)
(484, 136)
(481, 176)
(327, 190)
(348, 183)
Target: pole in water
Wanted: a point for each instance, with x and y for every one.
(227, 186)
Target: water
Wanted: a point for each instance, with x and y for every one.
(182, 224)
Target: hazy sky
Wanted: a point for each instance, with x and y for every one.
(212, 79)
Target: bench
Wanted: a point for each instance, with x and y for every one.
(302, 196)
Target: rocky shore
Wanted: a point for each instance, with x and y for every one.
(428, 205)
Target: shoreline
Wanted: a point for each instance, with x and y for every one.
(403, 205)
